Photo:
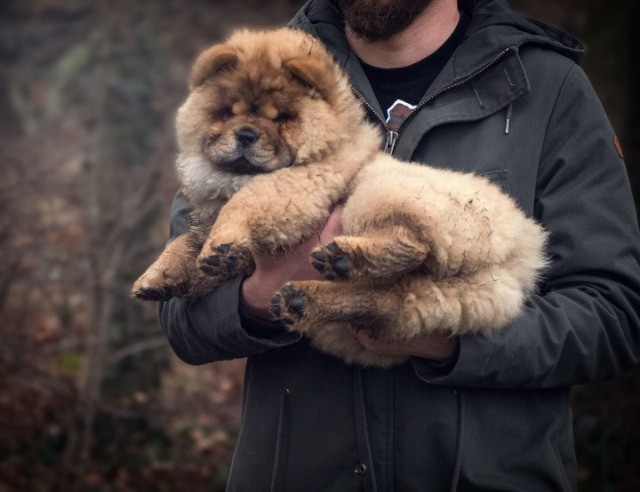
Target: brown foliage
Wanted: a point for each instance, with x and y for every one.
(88, 92)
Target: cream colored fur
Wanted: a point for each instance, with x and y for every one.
(422, 249)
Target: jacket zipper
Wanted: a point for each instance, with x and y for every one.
(393, 135)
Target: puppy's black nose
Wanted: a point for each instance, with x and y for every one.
(246, 136)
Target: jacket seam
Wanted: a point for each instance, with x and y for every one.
(556, 440)
(551, 118)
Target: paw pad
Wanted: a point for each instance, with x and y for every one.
(226, 261)
(331, 261)
(288, 305)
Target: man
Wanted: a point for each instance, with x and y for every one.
(474, 88)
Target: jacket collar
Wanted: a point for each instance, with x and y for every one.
(486, 62)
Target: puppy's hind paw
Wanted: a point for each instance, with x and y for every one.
(331, 261)
(288, 305)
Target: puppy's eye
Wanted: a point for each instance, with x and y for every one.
(283, 117)
(223, 114)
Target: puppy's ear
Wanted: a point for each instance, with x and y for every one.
(211, 62)
(314, 73)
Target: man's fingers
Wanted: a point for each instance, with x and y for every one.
(333, 226)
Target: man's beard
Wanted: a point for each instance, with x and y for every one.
(377, 20)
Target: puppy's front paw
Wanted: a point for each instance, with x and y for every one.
(224, 261)
(289, 304)
(156, 286)
(331, 261)
(162, 293)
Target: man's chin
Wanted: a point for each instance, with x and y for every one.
(373, 20)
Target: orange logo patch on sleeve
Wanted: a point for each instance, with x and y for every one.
(616, 142)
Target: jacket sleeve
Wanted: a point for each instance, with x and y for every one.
(583, 326)
(214, 327)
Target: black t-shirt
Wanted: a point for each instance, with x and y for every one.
(410, 83)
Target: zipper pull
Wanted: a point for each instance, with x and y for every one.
(390, 145)
(508, 122)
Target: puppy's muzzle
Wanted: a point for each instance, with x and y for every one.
(246, 137)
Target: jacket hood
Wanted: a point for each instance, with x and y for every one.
(494, 27)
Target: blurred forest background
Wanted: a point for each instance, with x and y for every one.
(91, 398)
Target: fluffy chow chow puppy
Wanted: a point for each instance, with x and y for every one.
(271, 138)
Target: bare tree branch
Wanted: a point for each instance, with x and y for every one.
(135, 348)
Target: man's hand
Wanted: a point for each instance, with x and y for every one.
(434, 346)
(273, 271)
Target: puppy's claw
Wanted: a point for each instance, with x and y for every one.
(231, 263)
(276, 308)
(287, 289)
(207, 270)
(213, 260)
(319, 256)
(333, 248)
(318, 266)
(153, 294)
(223, 248)
(319, 260)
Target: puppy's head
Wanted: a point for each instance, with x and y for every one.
(263, 101)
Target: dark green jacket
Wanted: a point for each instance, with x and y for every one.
(500, 419)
